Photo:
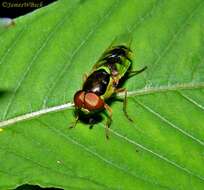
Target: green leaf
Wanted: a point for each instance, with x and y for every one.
(42, 61)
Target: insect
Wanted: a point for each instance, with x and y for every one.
(103, 82)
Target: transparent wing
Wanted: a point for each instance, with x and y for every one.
(121, 40)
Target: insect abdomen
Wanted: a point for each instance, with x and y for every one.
(117, 59)
(97, 82)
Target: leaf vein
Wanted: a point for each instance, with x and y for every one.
(157, 155)
(75, 52)
(100, 157)
(177, 34)
(12, 45)
(191, 100)
(27, 70)
(26, 158)
(169, 123)
(163, 88)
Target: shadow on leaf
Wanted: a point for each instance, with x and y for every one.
(34, 187)
(4, 93)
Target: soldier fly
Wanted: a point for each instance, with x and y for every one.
(103, 81)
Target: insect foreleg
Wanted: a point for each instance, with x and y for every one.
(74, 123)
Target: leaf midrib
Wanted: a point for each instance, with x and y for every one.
(69, 105)
(144, 91)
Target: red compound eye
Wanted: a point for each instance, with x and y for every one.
(79, 99)
(93, 101)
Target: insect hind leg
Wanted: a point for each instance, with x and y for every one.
(124, 103)
(125, 107)
(133, 73)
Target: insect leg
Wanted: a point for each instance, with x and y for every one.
(125, 107)
(109, 119)
(118, 90)
(85, 76)
(133, 73)
(129, 59)
(124, 102)
(74, 123)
